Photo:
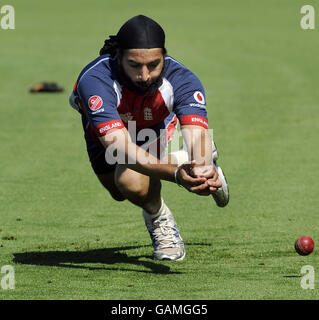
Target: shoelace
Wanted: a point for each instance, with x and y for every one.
(163, 234)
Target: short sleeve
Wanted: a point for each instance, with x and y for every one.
(190, 100)
(99, 100)
(189, 95)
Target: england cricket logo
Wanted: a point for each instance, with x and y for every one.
(95, 103)
(148, 115)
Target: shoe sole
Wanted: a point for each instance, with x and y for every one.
(167, 258)
(221, 196)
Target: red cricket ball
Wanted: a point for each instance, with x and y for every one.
(304, 245)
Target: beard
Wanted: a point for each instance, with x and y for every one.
(142, 88)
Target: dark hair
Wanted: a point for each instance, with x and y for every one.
(111, 46)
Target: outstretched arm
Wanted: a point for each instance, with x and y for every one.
(119, 145)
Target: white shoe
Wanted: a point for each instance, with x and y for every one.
(221, 196)
(166, 240)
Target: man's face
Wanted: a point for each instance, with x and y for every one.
(143, 66)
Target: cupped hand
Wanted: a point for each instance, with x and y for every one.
(198, 178)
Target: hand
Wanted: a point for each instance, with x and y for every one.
(184, 178)
(210, 173)
(199, 179)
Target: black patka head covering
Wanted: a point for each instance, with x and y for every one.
(140, 32)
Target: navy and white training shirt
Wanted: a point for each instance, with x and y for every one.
(108, 106)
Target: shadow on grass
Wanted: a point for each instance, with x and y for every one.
(108, 256)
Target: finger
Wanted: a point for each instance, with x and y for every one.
(215, 184)
(205, 192)
(201, 187)
(194, 181)
(214, 176)
(212, 183)
(203, 171)
(191, 180)
(200, 190)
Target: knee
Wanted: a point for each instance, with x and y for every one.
(132, 188)
(137, 188)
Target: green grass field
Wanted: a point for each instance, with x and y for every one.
(64, 235)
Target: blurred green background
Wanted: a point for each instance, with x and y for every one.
(66, 237)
